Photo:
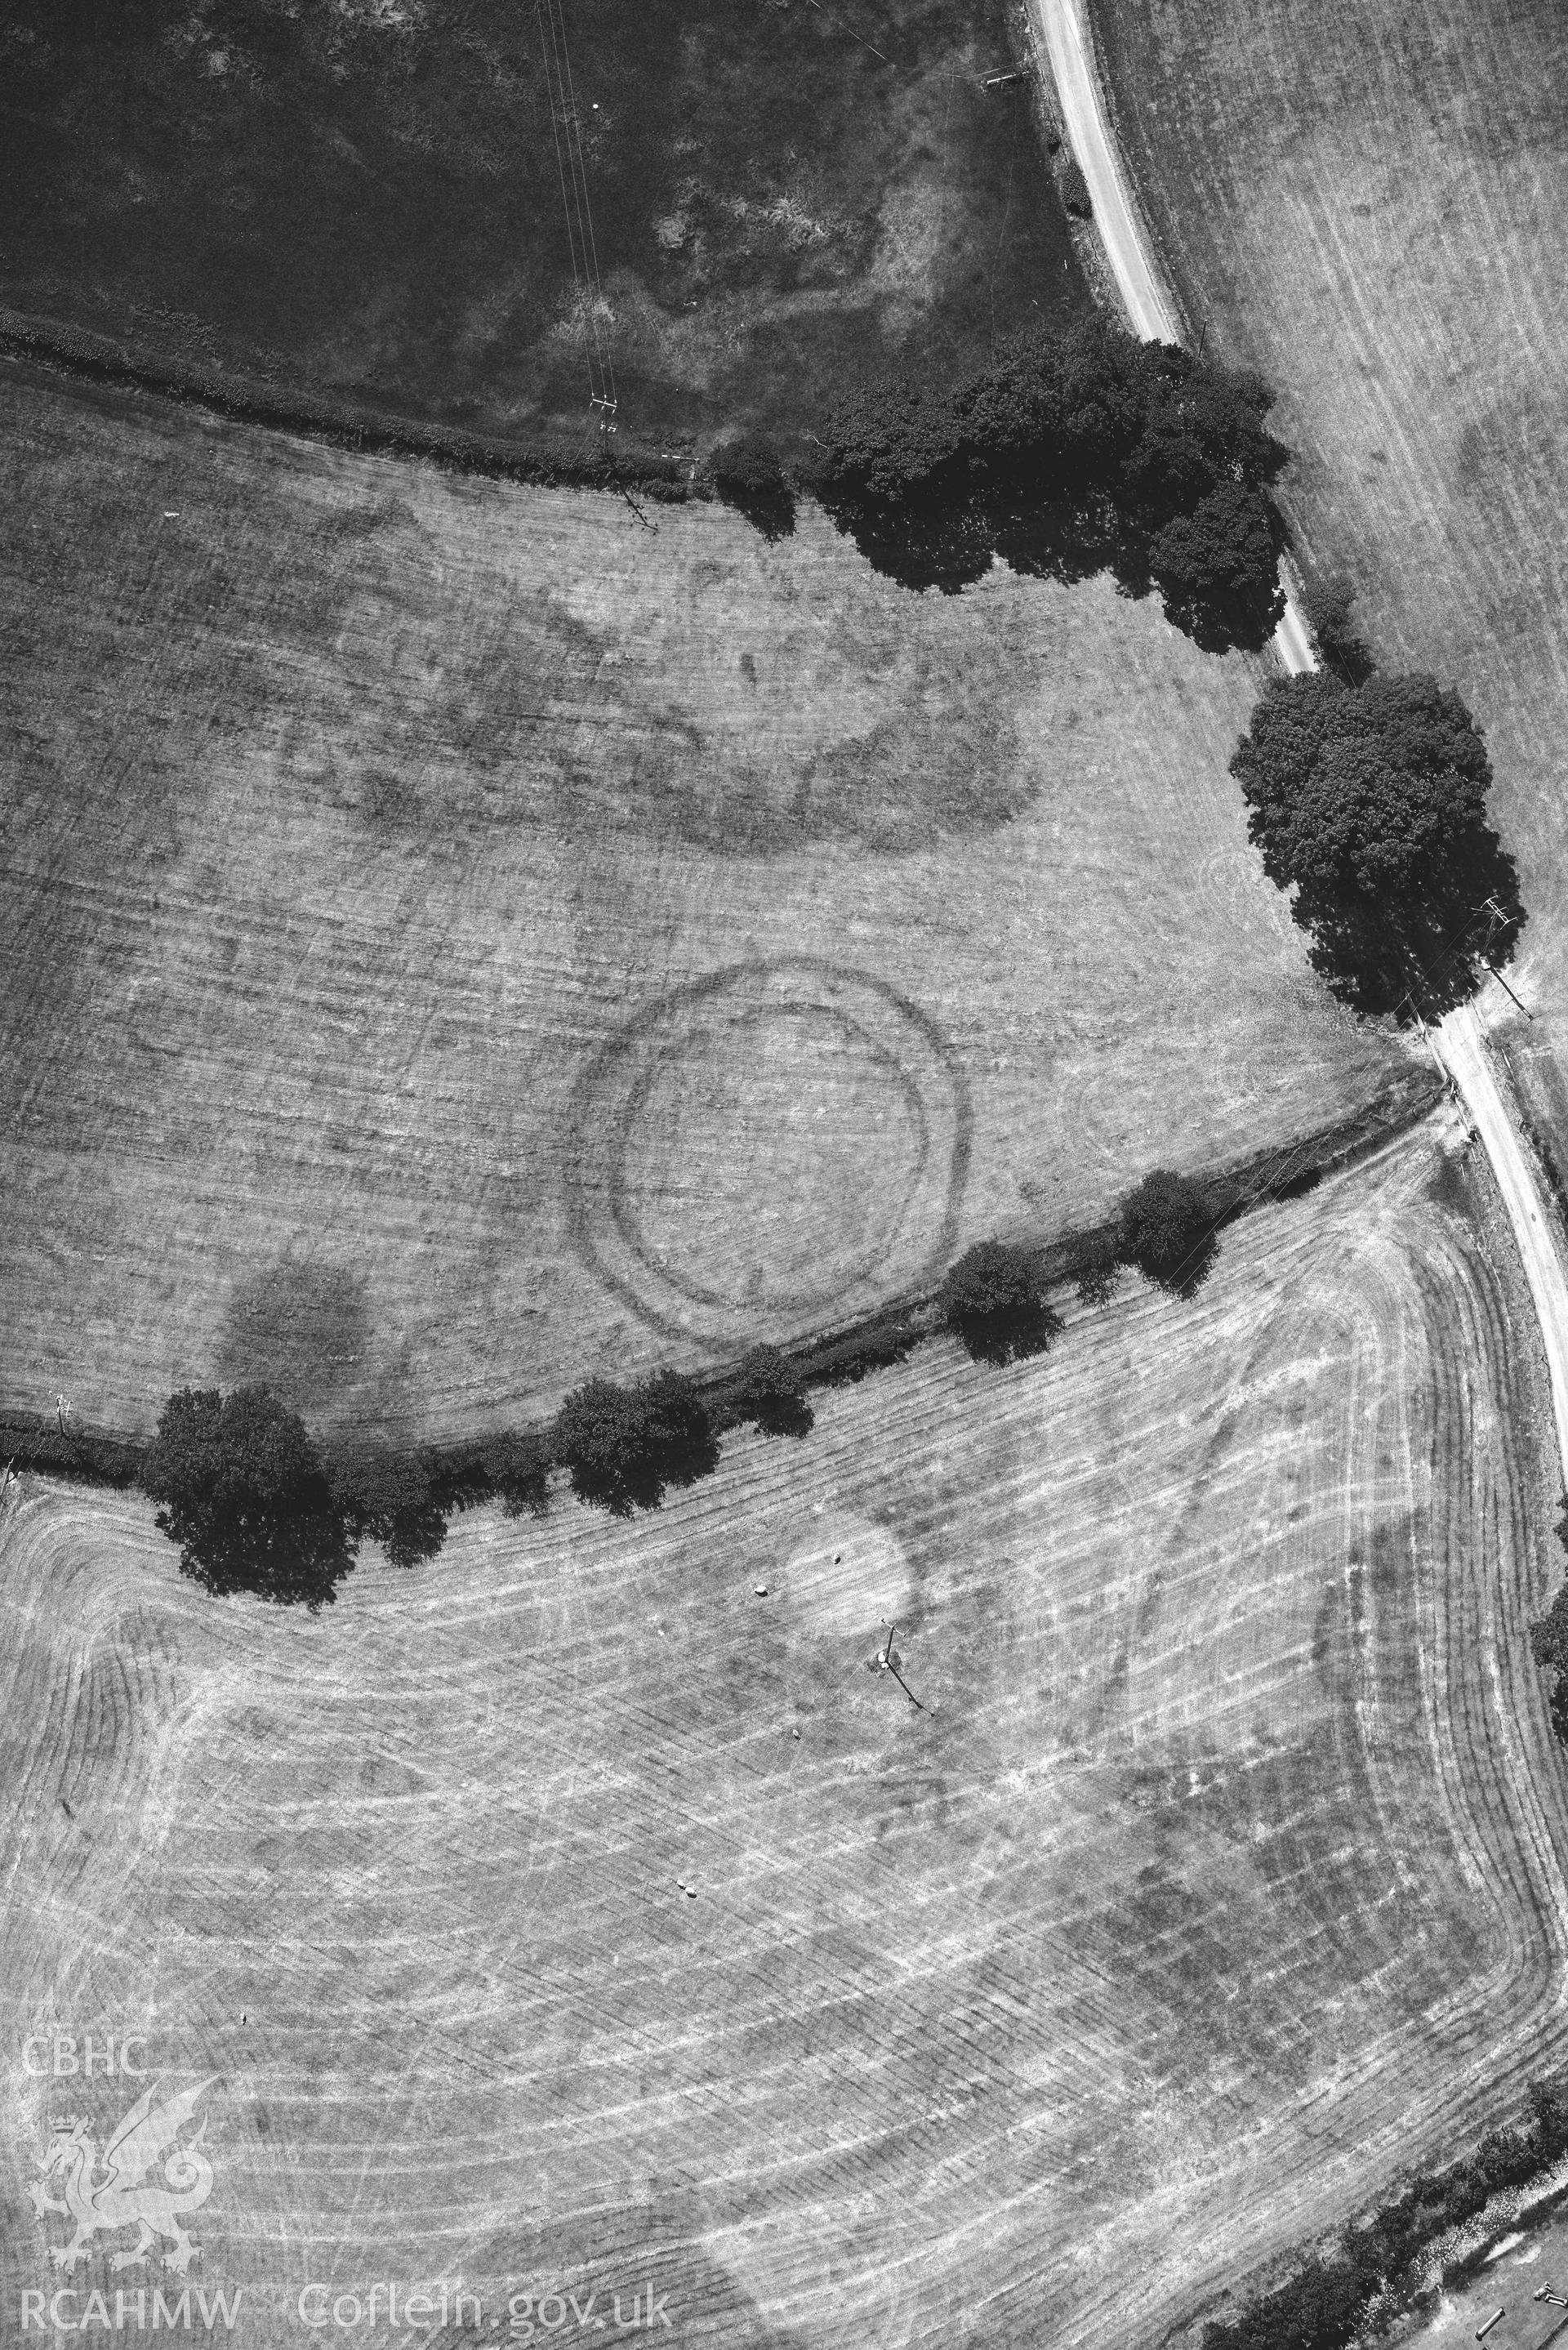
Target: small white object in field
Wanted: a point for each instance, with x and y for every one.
(795, 1733)
(761, 1589)
(691, 1893)
(836, 1556)
(171, 514)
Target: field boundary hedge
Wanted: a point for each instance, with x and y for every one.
(505, 1463)
(847, 1351)
(341, 423)
(87, 1455)
(1350, 2288)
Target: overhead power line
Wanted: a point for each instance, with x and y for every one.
(571, 164)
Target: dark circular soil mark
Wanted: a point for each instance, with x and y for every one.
(782, 1141)
(301, 1329)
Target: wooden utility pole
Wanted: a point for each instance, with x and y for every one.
(1506, 989)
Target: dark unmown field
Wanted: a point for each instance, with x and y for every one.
(364, 196)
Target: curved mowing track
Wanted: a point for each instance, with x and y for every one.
(1219, 1881)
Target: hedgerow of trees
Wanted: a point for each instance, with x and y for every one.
(749, 474)
(993, 1300)
(1167, 1229)
(994, 1297)
(1094, 1264)
(624, 1445)
(1370, 801)
(245, 1493)
(253, 1505)
(1074, 188)
(1325, 2304)
(1549, 1640)
(773, 1394)
(392, 1496)
(1065, 452)
(1341, 647)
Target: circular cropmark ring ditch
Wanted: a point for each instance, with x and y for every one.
(781, 1141)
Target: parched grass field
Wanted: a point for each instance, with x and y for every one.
(456, 937)
(366, 198)
(1364, 198)
(1220, 1880)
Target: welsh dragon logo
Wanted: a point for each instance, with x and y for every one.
(121, 2195)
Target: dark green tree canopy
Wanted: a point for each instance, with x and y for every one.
(1370, 801)
(1369, 789)
(392, 1497)
(749, 474)
(245, 1495)
(1549, 1635)
(993, 1301)
(772, 1393)
(1344, 651)
(624, 1446)
(1065, 452)
(890, 441)
(1223, 558)
(601, 1437)
(1167, 1229)
(1095, 1264)
(1201, 426)
(679, 1431)
(517, 1466)
(1091, 411)
(1325, 2304)
(1075, 189)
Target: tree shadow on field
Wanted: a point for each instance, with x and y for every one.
(244, 1494)
(1016, 1337)
(299, 1565)
(1187, 1277)
(642, 1483)
(762, 493)
(950, 547)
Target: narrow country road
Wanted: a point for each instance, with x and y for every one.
(1150, 309)
(1461, 1040)
(1149, 305)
